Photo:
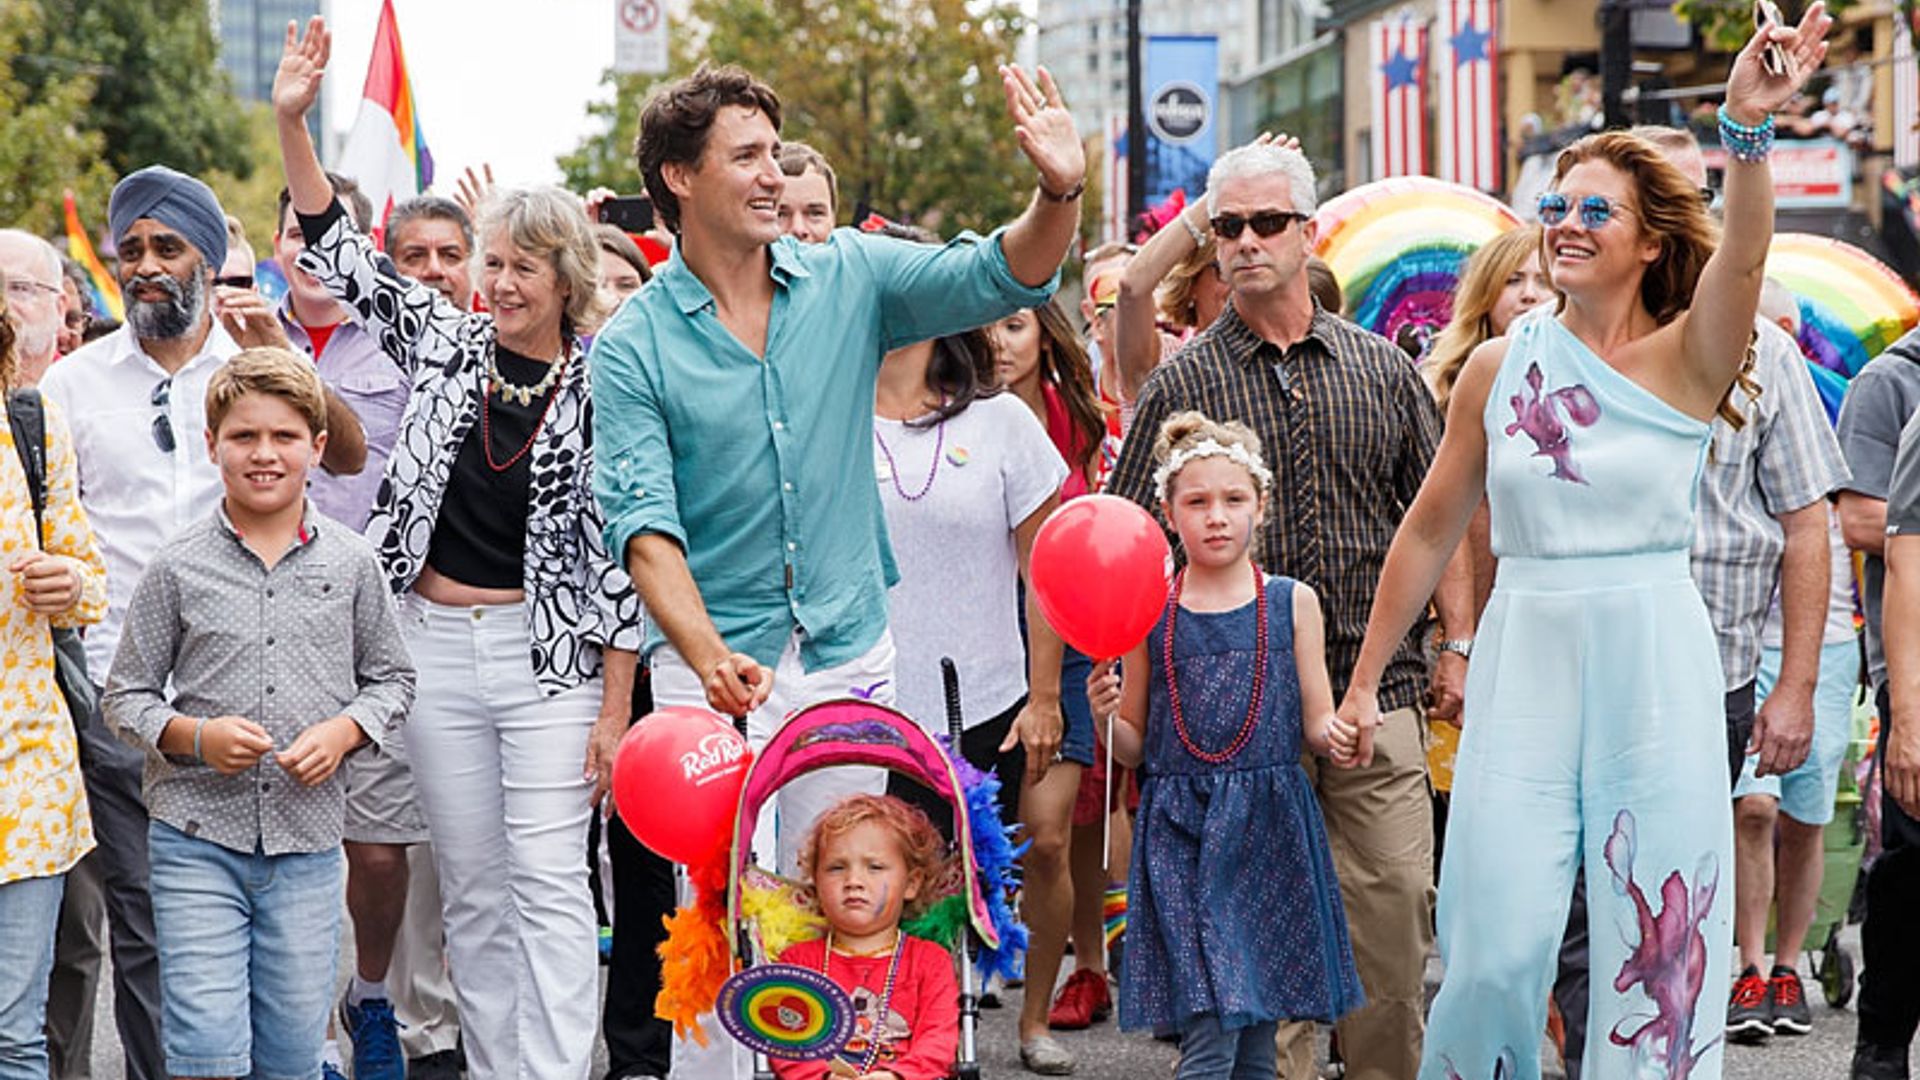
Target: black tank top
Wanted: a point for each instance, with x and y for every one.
(480, 537)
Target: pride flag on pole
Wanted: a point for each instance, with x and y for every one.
(386, 152)
(106, 291)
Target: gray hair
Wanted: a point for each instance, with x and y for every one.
(427, 208)
(1777, 303)
(52, 254)
(550, 222)
(1262, 159)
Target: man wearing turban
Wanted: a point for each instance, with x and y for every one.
(135, 400)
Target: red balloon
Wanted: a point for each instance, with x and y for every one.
(677, 779)
(1100, 568)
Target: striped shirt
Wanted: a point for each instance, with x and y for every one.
(1348, 429)
(1784, 459)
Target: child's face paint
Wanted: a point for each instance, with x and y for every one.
(862, 881)
(1214, 504)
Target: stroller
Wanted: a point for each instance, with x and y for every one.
(764, 912)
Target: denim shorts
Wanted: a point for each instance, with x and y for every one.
(249, 947)
(1807, 793)
(1076, 740)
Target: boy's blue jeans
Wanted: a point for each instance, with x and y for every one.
(249, 945)
(29, 910)
(1210, 1052)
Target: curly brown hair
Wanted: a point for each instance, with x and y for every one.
(921, 845)
(679, 116)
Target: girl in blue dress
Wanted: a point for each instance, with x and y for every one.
(1594, 725)
(1234, 916)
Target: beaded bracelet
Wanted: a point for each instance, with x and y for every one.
(1746, 142)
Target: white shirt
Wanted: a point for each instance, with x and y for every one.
(959, 570)
(135, 495)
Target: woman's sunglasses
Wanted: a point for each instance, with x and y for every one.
(1265, 223)
(1595, 210)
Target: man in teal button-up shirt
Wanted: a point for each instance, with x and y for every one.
(733, 402)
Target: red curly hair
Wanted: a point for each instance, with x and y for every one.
(920, 843)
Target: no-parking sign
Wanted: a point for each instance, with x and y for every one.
(640, 37)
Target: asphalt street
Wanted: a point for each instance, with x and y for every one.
(1105, 1053)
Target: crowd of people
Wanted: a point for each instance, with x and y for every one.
(374, 579)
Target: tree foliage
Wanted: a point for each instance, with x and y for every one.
(45, 141)
(901, 95)
(1725, 25)
(157, 93)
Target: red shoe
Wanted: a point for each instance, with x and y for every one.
(1082, 1002)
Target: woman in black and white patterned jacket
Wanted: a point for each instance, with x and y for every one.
(524, 631)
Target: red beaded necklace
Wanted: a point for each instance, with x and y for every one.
(486, 424)
(1240, 740)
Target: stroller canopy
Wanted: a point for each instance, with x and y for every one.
(853, 732)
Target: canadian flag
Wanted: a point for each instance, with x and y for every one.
(1467, 129)
(1399, 63)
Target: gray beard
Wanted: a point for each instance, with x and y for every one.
(35, 343)
(172, 318)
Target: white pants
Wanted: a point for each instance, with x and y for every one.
(869, 675)
(498, 767)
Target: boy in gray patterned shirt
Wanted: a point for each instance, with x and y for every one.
(260, 649)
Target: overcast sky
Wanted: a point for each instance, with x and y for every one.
(505, 81)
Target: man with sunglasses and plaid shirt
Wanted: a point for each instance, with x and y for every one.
(1350, 428)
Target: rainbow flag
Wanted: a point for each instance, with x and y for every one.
(386, 151)
(106, 291)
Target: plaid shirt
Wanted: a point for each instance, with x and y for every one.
(1348, 429)
(1784, 459)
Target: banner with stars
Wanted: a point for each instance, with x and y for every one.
(1399, 84)
(1467, 129)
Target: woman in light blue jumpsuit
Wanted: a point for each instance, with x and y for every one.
(1594, 725)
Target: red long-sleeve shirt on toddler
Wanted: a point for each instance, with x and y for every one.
(920, 1034)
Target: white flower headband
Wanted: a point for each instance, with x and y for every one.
(1210, 447)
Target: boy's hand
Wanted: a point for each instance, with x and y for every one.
(1103, 689)
(233, 744)
(50, 583)
(315, 754)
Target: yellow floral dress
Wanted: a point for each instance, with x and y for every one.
(44, 823)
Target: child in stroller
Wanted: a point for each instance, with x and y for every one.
(870, 859)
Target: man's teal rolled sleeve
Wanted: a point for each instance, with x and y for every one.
(633, 471)
(761, 467)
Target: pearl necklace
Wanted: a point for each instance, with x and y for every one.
(886, 997)
(1245, 734)
(510, 391)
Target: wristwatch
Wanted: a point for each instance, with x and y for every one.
(1066, 196)
(1461, 646)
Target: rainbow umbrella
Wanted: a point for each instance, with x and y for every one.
(1397, 247)
(1851, 307)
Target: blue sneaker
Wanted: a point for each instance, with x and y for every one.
(328, 1072)
(375, 1033)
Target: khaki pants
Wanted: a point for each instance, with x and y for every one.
(1380, 826)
